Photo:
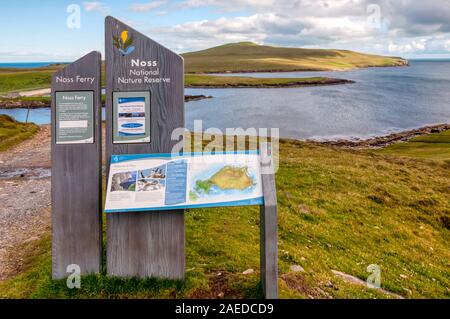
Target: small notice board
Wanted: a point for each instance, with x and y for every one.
(146, 182)
(74, 117)
(131, 112)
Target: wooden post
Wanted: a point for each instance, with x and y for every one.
(76, 167)
(144, 244)
(268, 225)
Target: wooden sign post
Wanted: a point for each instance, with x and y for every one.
(268, 225)
(144, 104)
(76, 167)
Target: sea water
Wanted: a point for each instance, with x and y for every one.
(382, 101)
(25, 65)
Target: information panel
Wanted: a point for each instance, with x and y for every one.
(131, 113)
(146, 182)
(74, 117)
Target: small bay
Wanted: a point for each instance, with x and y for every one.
(382, 101)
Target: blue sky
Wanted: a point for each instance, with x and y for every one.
(38, 30)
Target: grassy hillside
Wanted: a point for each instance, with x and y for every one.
(13, 132)
(338, 210)
(51, 68)
(250, 57)
(433, 146)
(235, 57)
(24, 80)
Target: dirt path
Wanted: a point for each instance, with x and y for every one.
(23, 218)
(24, 198)
(39, 92)
(32, 153)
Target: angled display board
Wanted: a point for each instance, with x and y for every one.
(144, 104)
(76, 167)
(149, 182)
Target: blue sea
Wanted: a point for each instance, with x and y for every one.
(381, 101)
(25, 65)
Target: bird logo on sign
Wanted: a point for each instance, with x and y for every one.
(124, 43)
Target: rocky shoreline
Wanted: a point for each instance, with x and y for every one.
(17, 103)
(189, 98)
(383, 141)
(327, 81)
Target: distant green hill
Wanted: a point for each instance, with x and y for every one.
(251, 57)
(234, 57)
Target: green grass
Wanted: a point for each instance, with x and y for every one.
(338, 209)
(250, 57)
(197, 80)
(15, 82)
(51, 69)
(13, 132)
(433, 146)
(25, 80)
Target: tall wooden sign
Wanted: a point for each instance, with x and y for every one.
(144, 104)
(76, 167)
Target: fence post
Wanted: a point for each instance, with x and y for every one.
(268, 225)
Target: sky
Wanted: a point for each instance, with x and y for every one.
(62, 31)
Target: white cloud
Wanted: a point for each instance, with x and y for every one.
(270, 28)
(148, 6)
(406, 28)
(447, 45)
(161, 13)
(410, 47)
(304, 7)
(379, 26)
(95, 6)
(230, 5)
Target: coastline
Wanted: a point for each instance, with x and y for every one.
(190, 98)
(293, 84)
(41, 102)
(20, 104)
(385, 140)
(376, 142)
(35, 99)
